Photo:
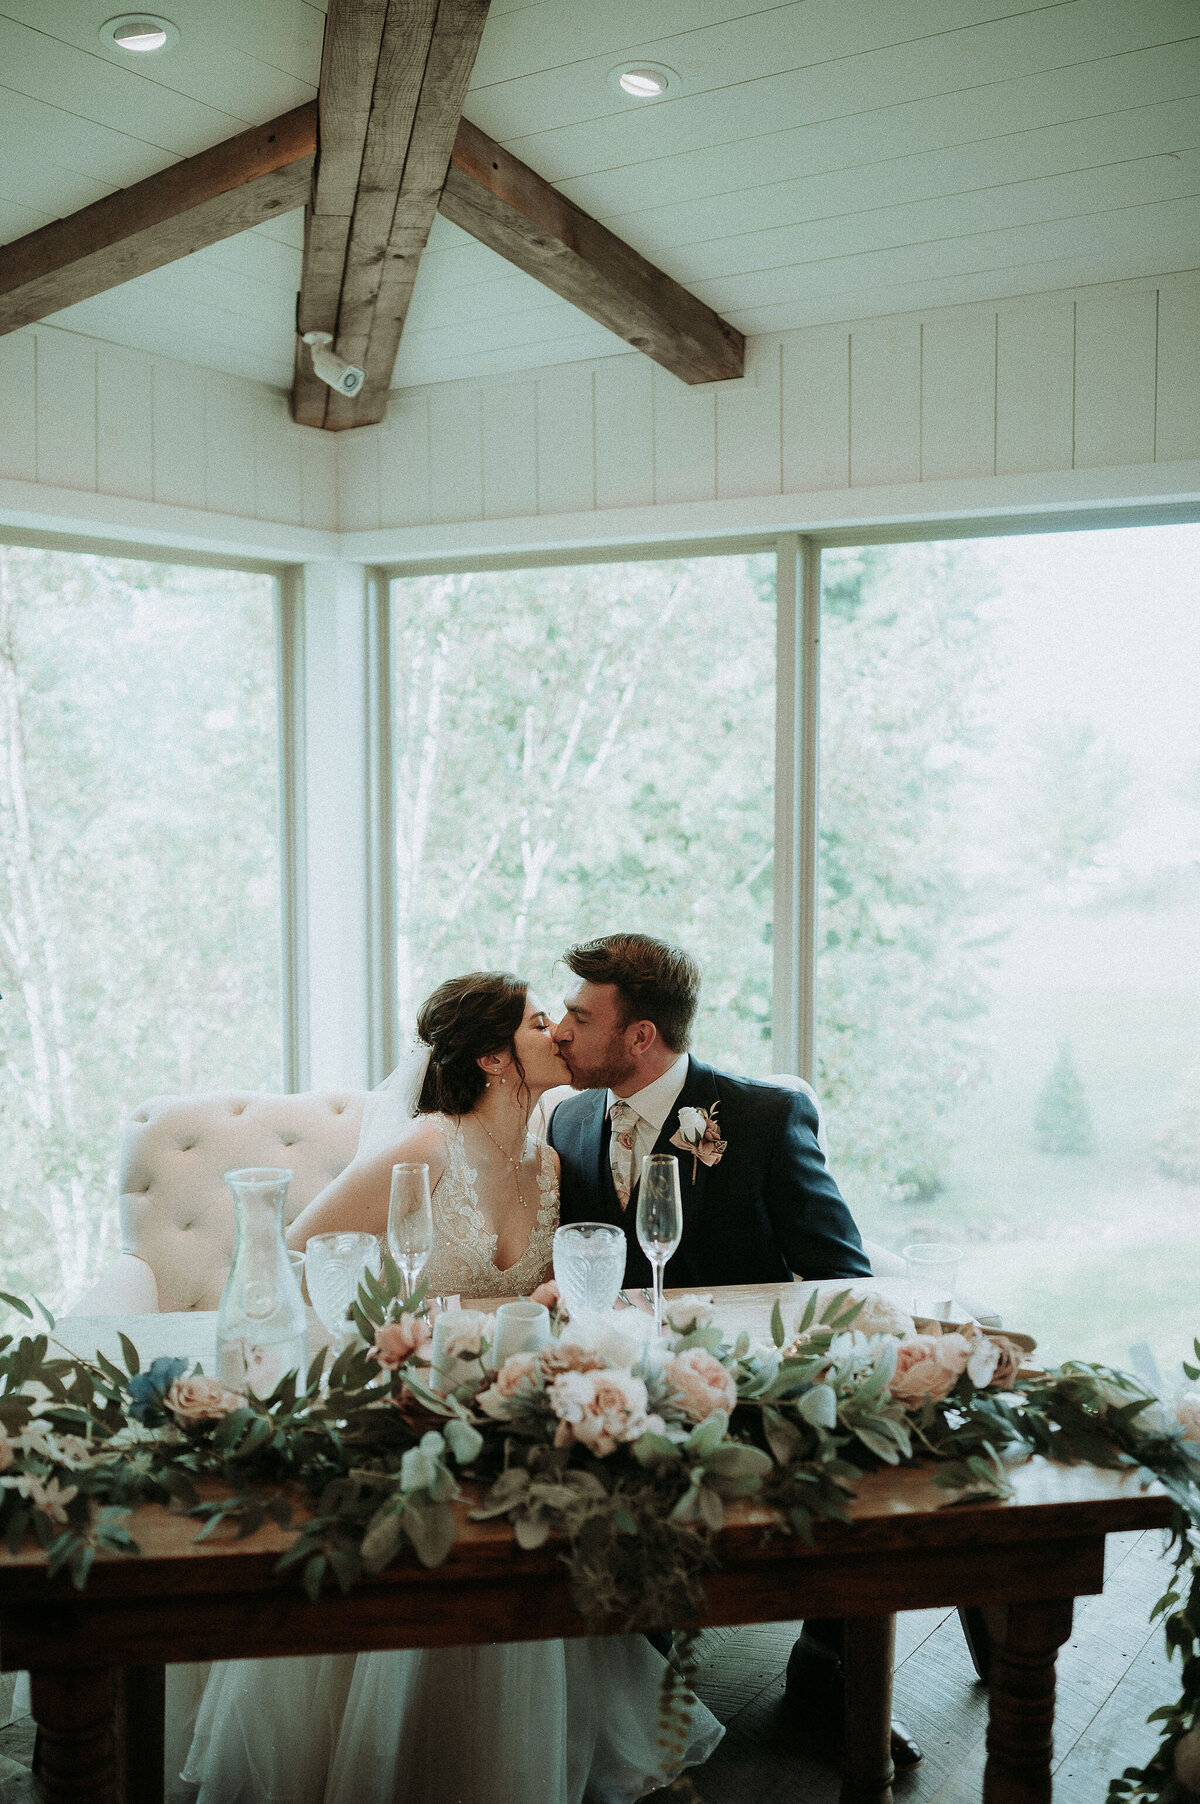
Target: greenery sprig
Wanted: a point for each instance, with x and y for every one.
(627, 1452)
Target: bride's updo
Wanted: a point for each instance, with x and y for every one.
(464, 1020)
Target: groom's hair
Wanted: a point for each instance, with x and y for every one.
(654, 980)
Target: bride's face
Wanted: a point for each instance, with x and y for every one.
(541, 1061)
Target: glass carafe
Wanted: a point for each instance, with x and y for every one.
(262, 1330)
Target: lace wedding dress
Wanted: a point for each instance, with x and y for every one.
(531, 1722)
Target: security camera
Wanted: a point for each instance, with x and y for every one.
(347, 378)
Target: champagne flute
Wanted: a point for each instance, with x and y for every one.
(659, 1220)
(410, 1223)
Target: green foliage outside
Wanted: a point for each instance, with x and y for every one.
(1062, 1122)
(587, 749)
(139, 876)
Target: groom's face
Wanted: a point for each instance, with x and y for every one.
(592, 1037)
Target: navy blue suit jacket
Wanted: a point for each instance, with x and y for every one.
(768, 1209)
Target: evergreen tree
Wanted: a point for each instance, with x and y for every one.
(1062, 1122)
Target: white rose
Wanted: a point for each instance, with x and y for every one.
(464, 1335)
(599, 1409)
(619, 1340)
(692, 1123)
(686, 1314)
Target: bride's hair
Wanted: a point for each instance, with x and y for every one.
(465, 1019)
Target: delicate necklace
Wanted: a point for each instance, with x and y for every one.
(509, 1158)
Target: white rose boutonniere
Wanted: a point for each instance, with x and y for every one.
(699, 1135)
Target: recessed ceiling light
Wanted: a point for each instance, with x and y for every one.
(648, 81)
(139, 33)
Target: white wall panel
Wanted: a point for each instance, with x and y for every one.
(404, 459)
(1177, 433)
(230, 413)
(18, 406)
(566, 439)
(510, 450)
(455, 453)
(358, 478)
(885, 403)
(1035, 382)
(66, 412)
(816, 410)
(958, 396)
(1116, 340)
(179, 428)
(624, 432)
(319, 479)
(278, 485)
(685, 439)
(749, 447)
(124, 423)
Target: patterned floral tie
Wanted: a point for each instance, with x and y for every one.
(624, 1118)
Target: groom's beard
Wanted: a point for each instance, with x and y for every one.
(612, 1069)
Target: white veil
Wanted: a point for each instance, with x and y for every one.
(390, 1108)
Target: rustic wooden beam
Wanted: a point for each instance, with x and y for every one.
(425, 52)
(511, 209)
(235, 185)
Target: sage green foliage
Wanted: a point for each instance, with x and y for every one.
(1062, 1122)
(377, 1458)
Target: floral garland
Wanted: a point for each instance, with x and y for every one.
(627, 1450)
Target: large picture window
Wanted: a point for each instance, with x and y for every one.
(139, 876)
(1008, 1020)
(584, 749)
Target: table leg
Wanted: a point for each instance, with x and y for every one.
(75, 1710)
(1020, 1737)
(867, 1759)
(141, 1713)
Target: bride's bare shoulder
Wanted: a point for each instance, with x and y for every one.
(422, 1143)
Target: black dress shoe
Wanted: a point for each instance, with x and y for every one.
(814, 1698)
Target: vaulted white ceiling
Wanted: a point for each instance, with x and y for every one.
(816, 160)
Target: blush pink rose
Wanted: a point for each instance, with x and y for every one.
(929, 1365)
(202, 1400)
(701, 1383)
(546, 1293)
(520, 1369)
(559, 1356)
(396, 1342)
(599, 1409)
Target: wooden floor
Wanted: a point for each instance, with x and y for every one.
(1110, 1675)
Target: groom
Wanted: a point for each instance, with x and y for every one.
(759, 1203)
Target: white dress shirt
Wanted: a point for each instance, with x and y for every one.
(653, 1104)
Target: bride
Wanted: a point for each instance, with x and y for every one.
(556, 1722)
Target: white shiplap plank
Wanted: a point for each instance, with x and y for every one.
(1116, 339)
(958, 395)
(230, 436)
(404, 459)
(358, 478)
(1177, 430)
(885, 403)
(124, 423)
(566, 439)
(685, 439)
(455, 454)
(1035, 376)
(66, 410)
(319, 478)
(278, 483)
(18, 405)
(816, 410)
(749, 445)
(510, 450)
(624, 433)
(180, 436)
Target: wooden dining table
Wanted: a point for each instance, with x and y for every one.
(97, 1657)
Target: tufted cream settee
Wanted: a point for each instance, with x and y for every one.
(176, 1209)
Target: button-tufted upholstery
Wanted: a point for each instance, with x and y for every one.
(176, 1209)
